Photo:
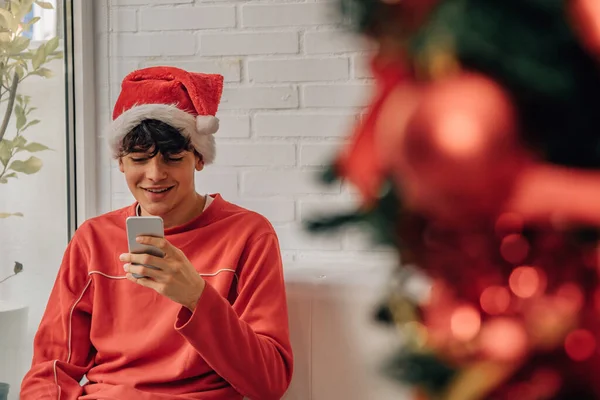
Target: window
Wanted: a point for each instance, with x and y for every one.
(38, 238)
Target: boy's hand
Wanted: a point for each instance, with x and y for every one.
(175, 278)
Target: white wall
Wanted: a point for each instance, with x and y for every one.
(295, 83)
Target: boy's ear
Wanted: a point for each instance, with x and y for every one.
(121, 164)
(199, 161)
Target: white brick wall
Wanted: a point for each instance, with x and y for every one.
(297, 14)
(248, 43)
(186, 18)
(298, 70)
(295, 84)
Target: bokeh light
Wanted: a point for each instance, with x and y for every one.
(580, 345)
(514, 248)
(495, 300)
(526, 282)
(465, 322)
(503, 339)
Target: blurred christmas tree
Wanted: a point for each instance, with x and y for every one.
(479, 160)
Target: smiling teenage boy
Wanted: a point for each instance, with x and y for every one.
(211, 322)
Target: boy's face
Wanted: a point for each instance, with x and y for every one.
(161, 184)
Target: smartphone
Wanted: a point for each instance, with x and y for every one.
(144, 226)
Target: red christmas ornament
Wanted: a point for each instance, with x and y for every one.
(460, 153)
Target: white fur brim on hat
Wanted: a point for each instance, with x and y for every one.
(199, 129)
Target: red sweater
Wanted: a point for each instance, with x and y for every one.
(134, 344)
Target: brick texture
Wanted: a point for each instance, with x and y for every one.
(295, 83)
(188, 18)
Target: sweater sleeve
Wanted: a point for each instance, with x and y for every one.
(246, 343)
(62, 352)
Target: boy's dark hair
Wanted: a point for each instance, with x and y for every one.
(155, 136)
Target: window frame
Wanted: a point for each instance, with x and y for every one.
(81, 111)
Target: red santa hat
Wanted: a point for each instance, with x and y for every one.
(185, 100)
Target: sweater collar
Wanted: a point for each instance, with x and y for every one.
(207, 216)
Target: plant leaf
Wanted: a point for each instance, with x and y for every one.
(19, 44)
(44, 4)
(4, 179)
(6, 215)
(55, 56)
(19, 142)
(24, 55)
(45, 72)
(20, 114)
(24, 7)
(9, 20)
(29, 166)
(34, 147)
(39, 57)
(17, 11)
(31, 123)
(5, 38)
(51, 45)
(32, 21)
(18, 267)
(6, 147)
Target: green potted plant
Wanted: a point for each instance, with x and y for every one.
(19, 60)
